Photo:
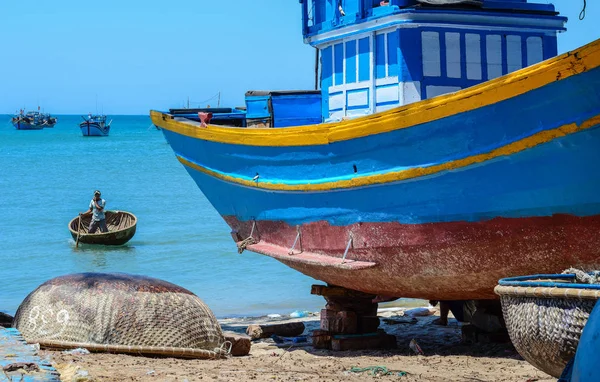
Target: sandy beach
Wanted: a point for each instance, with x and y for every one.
(446, 358)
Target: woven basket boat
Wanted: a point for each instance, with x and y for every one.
(121, 228)
(120, 313)
(545, 315)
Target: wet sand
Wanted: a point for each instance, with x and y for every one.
(445, 359)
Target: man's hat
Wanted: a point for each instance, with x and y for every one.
(96, 192)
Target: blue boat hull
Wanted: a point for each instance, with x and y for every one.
(94, 129)
(433, 200)
(21, 125)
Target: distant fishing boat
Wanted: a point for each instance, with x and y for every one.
(33, 120)
(95, 126)
(453, 148)
(121, 228)
(50, 121)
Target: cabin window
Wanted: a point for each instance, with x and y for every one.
(473, 56)
(364, 59)
(386, 54)
(514, 55)
(494, 55)
(453, 64)
(430, 48)
(380, 53)
(338, 64)
(535, 51)
(393, 43)
(326, 63)
(351, 62)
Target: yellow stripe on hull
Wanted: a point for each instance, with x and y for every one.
(395, 176)
(485, 94)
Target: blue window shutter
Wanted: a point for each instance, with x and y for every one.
(393, 42)
(364, 60)
(380, 55)
(351, 61)
(338, 52)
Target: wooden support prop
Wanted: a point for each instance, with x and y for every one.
(339, 322)
(360, 306)
(240, 343)
(292, 329)
(321, 339)
(333, 291)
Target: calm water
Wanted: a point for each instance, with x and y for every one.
(48, 176)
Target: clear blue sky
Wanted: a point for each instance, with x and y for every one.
(138, 55)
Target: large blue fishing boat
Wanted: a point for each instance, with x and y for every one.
(450, 147)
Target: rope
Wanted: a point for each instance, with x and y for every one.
(244, 243)
(584, 278)
(247, 241)
(224, 349)
(582, 13)
(378, 371)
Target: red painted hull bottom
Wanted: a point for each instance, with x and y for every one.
(441, 261)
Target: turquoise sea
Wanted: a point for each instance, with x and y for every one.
(48, 176)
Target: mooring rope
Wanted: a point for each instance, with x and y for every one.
(247, 241)
(244, 243)
(582, 13)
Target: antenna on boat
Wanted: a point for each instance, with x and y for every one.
(219, 100)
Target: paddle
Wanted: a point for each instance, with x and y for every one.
(78, 232)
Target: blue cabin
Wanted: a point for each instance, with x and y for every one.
(283, 108)
(376, 55)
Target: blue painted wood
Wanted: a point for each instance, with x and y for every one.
(587, 358)
(380, 56)
(338, 63)
(393, 43)
(326, 16)
(296, 109)
(410, 68)
(364, 59)
(562, 174)
(326, 79)
(463, 55)
(257, 106)
(14, 349)
(351, 64)
(536, 281)
(284, 109)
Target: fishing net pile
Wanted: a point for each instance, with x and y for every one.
(120, 313)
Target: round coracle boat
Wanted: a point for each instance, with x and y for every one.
(120, 313)
(121, 228)
(545, 315)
